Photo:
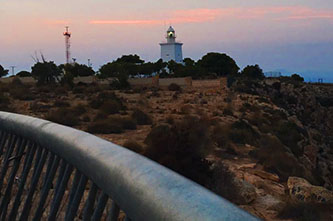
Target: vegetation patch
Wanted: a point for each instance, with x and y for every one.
(63, 116)
(182, 148)
(306, 211)
(141, 117)
(134, 146)
(174, 87)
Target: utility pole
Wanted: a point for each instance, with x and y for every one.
(89, 64)
(13, 69)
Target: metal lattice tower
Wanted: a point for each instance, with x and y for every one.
(67, 35)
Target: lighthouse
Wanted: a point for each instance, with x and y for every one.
(171, 50)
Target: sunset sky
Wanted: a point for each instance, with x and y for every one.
(286, 35)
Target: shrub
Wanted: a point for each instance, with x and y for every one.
(61, 90)
(79, 109)
(174, 87)
(16, 82)
(78, 90)
(86, 118)
(128, 123)
(134, 146)
(110, 107)
(242, 133)
(21, 93)
(141, 117)
(220, 135)
(325, 101)
(4, 87)
(61, 103)
(296, 77)
(95, 103)
(107, 126)
(223, 184)
(228, 111)
(107, 102)
(289, 134)
(100, 116)
(112, 125)
(63, 116)
(182, 148)
(306, 211)
(275, 158)
(4, 102)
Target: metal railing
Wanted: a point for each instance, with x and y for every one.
(52, 172)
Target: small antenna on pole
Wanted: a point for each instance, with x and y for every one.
(67, 35)
(13, 69)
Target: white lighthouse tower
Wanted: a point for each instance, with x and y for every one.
(171, 50)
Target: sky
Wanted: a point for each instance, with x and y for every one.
(279, 35)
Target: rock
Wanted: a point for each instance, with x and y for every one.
(269, 202)
(268, 186)
(266, 175)
(301, 190)
(253, 211)
(247, 192)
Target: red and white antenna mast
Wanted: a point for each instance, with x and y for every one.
(67, 35)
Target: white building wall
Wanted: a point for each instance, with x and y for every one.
(171, 51)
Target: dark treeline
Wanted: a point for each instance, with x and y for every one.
(210, 66)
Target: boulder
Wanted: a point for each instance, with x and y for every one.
(301, 190)
(247, 192)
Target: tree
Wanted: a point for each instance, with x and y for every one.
(253, 72)
(189, 62)
(46, 72)
(24, 74)
(220, 64)
(77, 70)
(159, 66)
(126, 64)
(133, 59)
(297, 77)
(3, 72)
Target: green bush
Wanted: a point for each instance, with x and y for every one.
(141, 117)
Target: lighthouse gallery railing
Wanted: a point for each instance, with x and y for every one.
(52, 172)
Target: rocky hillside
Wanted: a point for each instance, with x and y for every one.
(264, 145)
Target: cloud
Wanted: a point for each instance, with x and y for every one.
(56, 22)
(210, 15)
(177, 17)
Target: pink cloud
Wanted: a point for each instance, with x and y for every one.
(210, 15)
(56, 22)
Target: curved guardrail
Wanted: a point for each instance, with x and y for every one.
(51, 172)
